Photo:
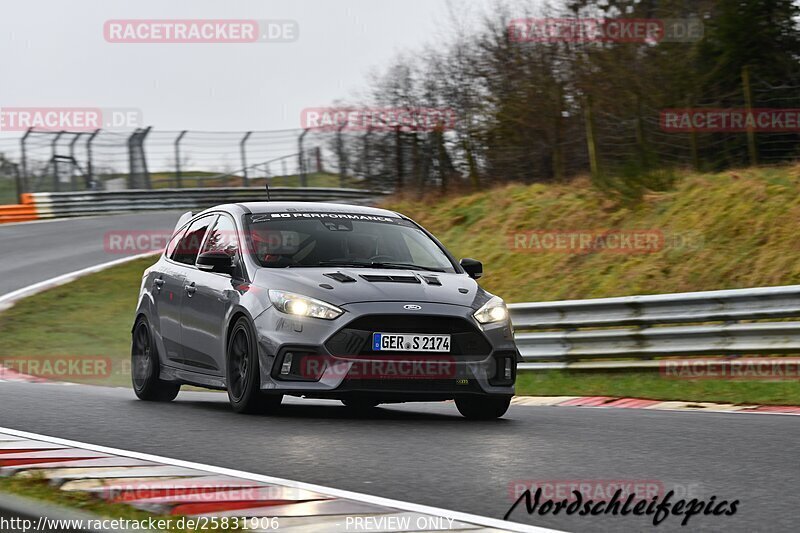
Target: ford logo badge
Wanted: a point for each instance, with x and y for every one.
(412, 307)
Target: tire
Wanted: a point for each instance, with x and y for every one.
(361, 404)
(483, 407)
(145, 367)
(243, 375)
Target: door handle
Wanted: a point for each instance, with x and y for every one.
(190, 289)
(158, 283)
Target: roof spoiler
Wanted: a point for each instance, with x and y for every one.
(186, 217)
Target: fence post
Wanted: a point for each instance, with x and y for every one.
(54, 160)
(243, 151)
(748, 103)
(145, 171)
(131, 163)
(18, 179)
(90, 184)
(590, 138)
(398, 148)
(73, 161)
(301, 159)
(178, 176)
(24, 157)
(340, 153)
(365, 157)
(136, 147)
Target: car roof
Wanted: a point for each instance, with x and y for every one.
(315, 207)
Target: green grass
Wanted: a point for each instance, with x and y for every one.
(742, 226)
(198, 178)
(38, 488)
(649, 384)
(89, 317)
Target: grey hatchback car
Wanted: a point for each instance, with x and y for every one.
(319, 300)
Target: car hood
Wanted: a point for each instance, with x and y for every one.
(374, 285)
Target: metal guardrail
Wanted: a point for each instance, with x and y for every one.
(644, 327)
(70, 204)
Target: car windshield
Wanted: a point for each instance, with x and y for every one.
(302, 239)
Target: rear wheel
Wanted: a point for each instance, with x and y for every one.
(145, 367)
(483, 407)
(243, 377)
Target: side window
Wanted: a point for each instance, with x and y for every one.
(173, 243)
(189, 245)
(223, 238)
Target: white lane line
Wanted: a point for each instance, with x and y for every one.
(366, 498)
(8, 299)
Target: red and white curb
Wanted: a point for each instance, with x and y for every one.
(166, 486)
(611, 402)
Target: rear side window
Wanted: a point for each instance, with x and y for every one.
(173, 243)
(189, 245)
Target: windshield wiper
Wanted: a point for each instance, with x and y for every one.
(378, 264)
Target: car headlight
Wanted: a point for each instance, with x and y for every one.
(299, 305)
(492, 311)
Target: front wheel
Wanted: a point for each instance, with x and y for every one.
(483, 407)
(145, 367)
(243, 379)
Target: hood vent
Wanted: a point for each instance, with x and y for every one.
(338, 276)
(390, 279)
(432, 280)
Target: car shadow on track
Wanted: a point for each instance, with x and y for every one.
(336, 411)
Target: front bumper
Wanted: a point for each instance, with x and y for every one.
(334, 359)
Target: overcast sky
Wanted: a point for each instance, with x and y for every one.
(55, 54)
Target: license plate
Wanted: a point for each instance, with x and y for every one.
(410, 342)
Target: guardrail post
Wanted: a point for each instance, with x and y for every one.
(90, 183)
(302, 159)
(243, 151)
(178, 178)
(24, 157)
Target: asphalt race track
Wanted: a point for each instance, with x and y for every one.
(422, 453)
(33, 252)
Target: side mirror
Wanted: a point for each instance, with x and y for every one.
(472, 267)
(215, 261)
